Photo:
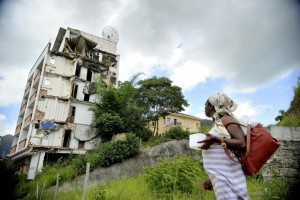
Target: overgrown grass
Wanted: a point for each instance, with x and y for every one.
(108, 154)
(138, 188)
(290, 119)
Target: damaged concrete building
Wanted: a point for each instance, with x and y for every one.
(54, 118)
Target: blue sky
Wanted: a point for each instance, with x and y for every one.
(249, 50)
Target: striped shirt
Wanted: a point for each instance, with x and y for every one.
(227, 177)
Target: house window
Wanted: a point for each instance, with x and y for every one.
(67, 138)
(81, 145)
(197, 124)
(77, 71)
(74, 91)
(89, 75)
(86, 97)
(175, 121)
(169, 121)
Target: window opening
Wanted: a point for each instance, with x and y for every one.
(77, 71)
(67, 138)
(89, 75)
(175, 121)
(81, 145)
(74, 92)
(86, 97)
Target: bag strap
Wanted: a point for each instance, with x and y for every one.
(224, 146)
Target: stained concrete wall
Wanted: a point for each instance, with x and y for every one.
(286, 160)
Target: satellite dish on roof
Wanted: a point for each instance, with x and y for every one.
(110, 34)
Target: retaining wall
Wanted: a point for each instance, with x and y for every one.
(286, 160)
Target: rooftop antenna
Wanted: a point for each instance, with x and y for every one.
(110, 34)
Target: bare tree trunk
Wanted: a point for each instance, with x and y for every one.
(157, 126)
(154, 127)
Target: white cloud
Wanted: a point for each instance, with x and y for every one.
(6, 127)
(12, 85)
(247, 109)
(133, 63)
(188, 75)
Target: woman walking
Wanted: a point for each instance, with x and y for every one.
(227, 176)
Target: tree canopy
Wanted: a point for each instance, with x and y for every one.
(160, 97)
(132, 105)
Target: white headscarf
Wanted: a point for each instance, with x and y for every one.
(223, 105)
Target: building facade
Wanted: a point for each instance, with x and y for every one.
(187, 122)
(54, 118)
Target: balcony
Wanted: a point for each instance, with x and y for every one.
(36, 78)
(27, 90)
(32, 98)
(28, 119)
(18, 129)
(13, 149)
(22, 144)
(23, 108)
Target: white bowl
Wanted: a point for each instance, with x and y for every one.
(194, 138)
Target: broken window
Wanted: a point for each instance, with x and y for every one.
(89, 75)
(94, 55)
(86, 97)
(71, 115)
(78, 69)
(74, 91)
(67, 138)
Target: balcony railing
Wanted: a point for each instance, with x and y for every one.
(28, 119)
(18, 128)
(27, 89)
(23, 108)
(32, 97)
(37, 76)
(13, 149)
(22, 144)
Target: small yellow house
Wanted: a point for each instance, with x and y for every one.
(187, 122)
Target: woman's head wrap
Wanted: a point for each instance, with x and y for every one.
(223, 106)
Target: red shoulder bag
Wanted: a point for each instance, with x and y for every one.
(260, 147)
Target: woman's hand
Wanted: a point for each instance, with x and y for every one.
(209, 140)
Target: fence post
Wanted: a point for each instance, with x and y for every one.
(42, 191)
(37, 191)
(87, 173)
(56, 188)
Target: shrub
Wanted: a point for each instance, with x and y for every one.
(177, 133)
(175, 175)
(145, 134)
(22, 186)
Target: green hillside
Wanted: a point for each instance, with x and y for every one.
(5, 145)
(292, 116)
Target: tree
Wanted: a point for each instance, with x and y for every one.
(280, 116)
(160, 98)
(117, 110)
